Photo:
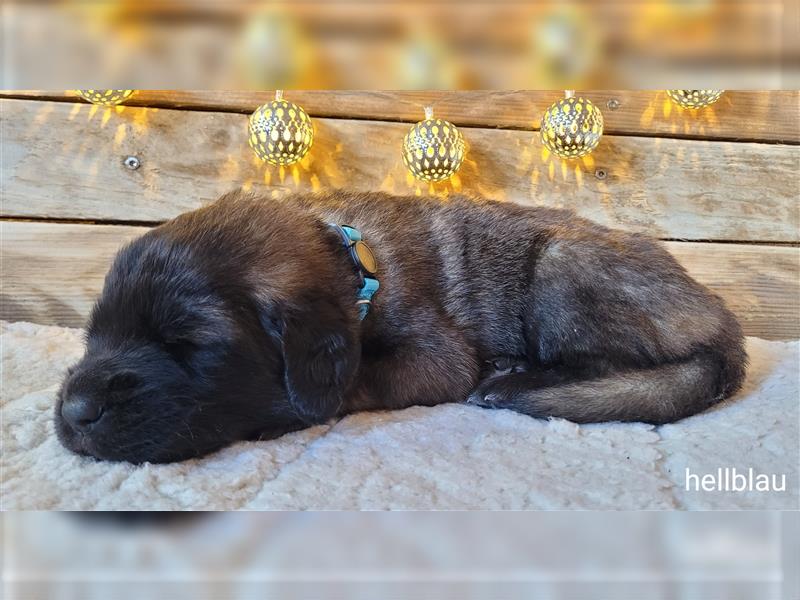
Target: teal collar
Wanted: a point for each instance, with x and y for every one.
(365, 264)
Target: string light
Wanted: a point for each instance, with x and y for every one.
(572, 127)
(105, 97)
(280, 132)
(433, 149)
(694, 98)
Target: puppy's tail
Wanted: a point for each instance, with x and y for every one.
(656, 395)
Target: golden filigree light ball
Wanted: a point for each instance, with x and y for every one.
(280, 132)
(572, 127)
(433, 149)
(694, 98)
(106, 97)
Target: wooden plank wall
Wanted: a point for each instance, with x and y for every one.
(720, 185)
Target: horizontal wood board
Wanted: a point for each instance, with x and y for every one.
(66, 161)
(53, 272)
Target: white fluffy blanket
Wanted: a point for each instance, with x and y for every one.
(444, 457)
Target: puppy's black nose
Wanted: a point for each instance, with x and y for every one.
(81, 412)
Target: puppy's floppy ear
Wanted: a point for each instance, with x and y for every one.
(321, 353)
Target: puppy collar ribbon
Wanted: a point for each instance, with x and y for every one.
(365, 264)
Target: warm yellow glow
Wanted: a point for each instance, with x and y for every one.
(571, 127)
(694, 98)
(280, 132)
(119, 136)
(229, 169)
(647, 114)
(105, 97)
(433, 150)
(140, 118)
(578, 176)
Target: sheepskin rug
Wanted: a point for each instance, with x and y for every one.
(443, 457)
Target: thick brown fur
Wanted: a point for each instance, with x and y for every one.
(239, 320)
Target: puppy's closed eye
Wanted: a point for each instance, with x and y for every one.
(124, 380)
(181, 349)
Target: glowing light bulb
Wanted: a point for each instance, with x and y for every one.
(694, 98)
(572, 127)
(280, 132)
(106, 97)
(433, 149)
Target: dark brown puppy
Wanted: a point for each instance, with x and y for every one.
(239, 321)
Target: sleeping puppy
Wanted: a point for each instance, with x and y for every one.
(243, 320)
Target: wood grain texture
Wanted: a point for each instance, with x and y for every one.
(52, 273)
(772, 116)
(66, 161)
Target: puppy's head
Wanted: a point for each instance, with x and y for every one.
(183, 357)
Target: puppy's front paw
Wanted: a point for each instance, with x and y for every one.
(497, 381)
(488, 394)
